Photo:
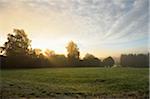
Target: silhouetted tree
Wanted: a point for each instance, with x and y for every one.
(55, 59)
(17, 53)
(17, 44)
(2, 61)
(91, 60)
(2, 50)
(17, 47)
(38, 59)
(73, 54)
(108, 62)
(135, 60)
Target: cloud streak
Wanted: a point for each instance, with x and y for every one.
(96, 23)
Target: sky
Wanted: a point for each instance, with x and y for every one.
(100, 27)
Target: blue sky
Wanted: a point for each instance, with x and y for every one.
(99, 27)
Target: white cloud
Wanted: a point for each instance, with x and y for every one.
(91, 22)
(130, 22)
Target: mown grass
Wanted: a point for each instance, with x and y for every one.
(75, 82)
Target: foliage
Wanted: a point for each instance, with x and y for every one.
(49, 53)
(58, 61)
(17, 44)
(91, 60)
(73, 53)
(109, 62)
(18, 47)
(135, 60)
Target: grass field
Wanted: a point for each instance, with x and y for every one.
(75, 83)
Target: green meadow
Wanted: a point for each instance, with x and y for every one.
(82, 82)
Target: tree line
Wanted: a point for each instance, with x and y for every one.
(18, 53)
(135, 60)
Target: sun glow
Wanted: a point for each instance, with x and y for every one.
(51, 25)
(55, 45)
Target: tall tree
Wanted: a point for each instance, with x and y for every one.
(17, 47)
(73, 53)
(17, 44)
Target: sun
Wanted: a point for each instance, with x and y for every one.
(57, 46)
(39, 46)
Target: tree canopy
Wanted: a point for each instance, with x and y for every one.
(73, 50)
(91, 60)
(108, 62)
(73, 53)
(17, 44)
